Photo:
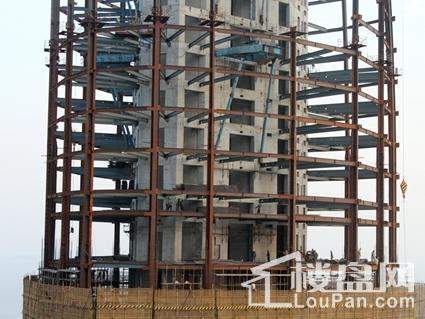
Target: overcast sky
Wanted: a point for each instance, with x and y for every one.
(23, 90)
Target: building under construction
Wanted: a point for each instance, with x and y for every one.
(200, 128)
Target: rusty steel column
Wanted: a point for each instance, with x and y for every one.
(89, 142)
(156, 82)
(82, 164)
(354, 173)
(347, 212)
(67, 142)
(392, 118)
(51, 166)
(380, 151)
(209, 227)
(117, 224)
(116, 271)
(293, 144)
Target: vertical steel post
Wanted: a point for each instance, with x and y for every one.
(354, 173)
(209, 269)
(347, 132)
(293, 144)
(345, 30)
(153, 219)
(380, 152)
(83, 148)
(116, 271)
(89, 142)
(51, 166)
(117, 224)
(392, 118)
(67, 141)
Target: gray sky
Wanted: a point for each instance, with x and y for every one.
(24, 31)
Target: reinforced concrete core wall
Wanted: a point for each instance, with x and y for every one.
(242, 134)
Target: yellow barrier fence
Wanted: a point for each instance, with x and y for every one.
(43, 301)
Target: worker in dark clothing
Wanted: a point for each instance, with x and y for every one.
(253, 256)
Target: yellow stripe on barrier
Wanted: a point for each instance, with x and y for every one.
(176, 308)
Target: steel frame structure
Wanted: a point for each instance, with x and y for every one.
(351, 82)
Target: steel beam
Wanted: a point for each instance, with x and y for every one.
(228, 107)
(354, 152)
(293, 144)
(156, 81)
(116, 271)
(380, 156)
(343, 109)
(209, 223)
(267, 105)
(392, 120)
(67, 143)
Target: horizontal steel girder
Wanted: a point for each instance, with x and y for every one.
(123, 201)
(365, 108)
(365, 76)
(337, 175)
(102, 140)
(108, 172)
(340, 142)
